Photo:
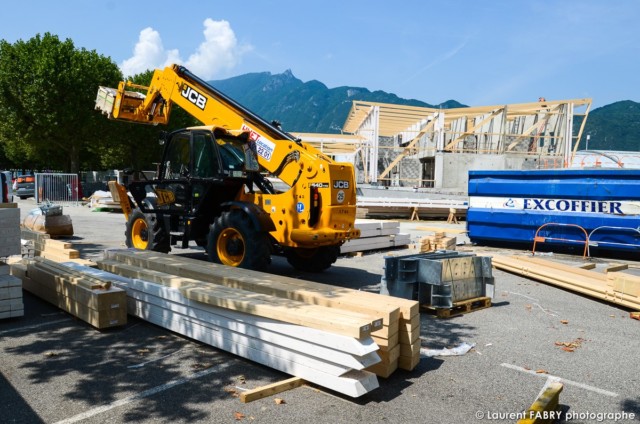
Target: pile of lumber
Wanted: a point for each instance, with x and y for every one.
(438, 241)
(375, 235)
(11, 305)
(615, 287)
(56, 250)
(199, 295)
(90, 298)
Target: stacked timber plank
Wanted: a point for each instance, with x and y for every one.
(438, 241)
(615, 287)
(56, 250)
(328, 359)
(89, 298)
(401, 348)
(375, 234)
(59, 250)
(11, 304)
(313, 305)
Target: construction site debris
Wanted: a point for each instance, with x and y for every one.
(459, 350)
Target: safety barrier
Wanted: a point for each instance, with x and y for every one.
(539, 239)
(60, 189)
(611, 243)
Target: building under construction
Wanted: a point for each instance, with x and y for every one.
(408, 146)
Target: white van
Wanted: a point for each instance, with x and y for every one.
(6, 187)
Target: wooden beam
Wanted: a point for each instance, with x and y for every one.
(616, 267)
(270, 389)
(618, 288)
(408, 148)
(470, 131)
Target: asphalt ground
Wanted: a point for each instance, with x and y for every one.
(57, 369)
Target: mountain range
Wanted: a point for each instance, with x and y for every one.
(313, 107)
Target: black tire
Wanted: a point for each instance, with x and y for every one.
(313, 260)
(234, 241)
(146, 233)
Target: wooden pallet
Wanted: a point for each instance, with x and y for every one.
(460, 308)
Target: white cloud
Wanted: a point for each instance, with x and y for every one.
(218, 52)
(149, 53)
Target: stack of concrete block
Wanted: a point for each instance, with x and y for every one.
(11, 304)
(9, 230)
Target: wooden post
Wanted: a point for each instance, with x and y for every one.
(452, 216)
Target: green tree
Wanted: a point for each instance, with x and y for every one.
(47, 95)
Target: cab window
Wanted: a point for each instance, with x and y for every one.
(205, 162)
(177, 158)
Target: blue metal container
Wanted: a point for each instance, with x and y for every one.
(571, 206)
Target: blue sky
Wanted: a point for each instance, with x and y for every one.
(476, 52)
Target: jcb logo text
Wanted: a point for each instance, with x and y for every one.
(194, 97)
(341, 184)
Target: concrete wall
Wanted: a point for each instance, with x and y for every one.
(456, 166)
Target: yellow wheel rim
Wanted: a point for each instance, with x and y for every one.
(230, 247)
(140, 234)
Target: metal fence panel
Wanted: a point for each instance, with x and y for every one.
(60, 189)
